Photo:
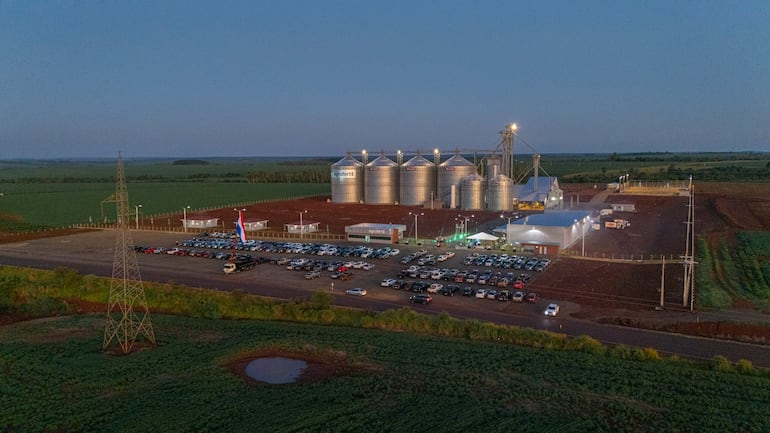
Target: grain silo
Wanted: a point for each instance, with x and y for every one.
(450, 173)
(381, 181)
(472, 189)
(347, 178)
(418, 181)
(500, 193)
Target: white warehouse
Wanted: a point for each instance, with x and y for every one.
(548, 232)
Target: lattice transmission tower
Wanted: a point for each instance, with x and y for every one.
(127, 313)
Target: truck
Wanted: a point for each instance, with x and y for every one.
(239, 265)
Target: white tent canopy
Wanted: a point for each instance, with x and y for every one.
(483, 237)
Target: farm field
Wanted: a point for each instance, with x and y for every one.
(57, 379)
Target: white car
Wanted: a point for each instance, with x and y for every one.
(387, 282)
(481, 293)
(435, 287)
(552, 310)
(356, 292)
(368, 266)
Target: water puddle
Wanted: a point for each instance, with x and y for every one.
(275, 370)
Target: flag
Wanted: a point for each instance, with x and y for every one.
(240, 228)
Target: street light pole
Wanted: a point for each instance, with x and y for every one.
(415, 223)
(137, 215)
(184, 217)
(301, 225)
(583, 249)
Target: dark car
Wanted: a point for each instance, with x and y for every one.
(420, 286)
(420, 299)
(504, 295)
(450, 290)
(468, 291)
(532, 298)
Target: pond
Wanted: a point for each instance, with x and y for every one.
(275, 370)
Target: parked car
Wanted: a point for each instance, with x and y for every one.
(356, 292)
(532, 298)
(468, 291)
(450, 290)
(388, 282)
(552, 310)
(420, 299)
(312, 274)
(481, 293)
(435, 287)
(518, 297)
(504, 295)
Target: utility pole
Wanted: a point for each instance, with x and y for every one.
(127, 314)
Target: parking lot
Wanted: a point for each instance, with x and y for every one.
(469, 278)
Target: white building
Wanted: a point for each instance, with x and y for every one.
(375, 233)
(548, 232)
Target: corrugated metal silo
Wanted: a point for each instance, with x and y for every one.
(381, 181)
(347, 178)
(418, 181)
(472, 192)
(500, 195)
(451, 172)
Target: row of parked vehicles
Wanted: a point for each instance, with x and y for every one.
(320, 249)
(505, 261)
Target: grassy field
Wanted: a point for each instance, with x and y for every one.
(61, 204)
(57, 379)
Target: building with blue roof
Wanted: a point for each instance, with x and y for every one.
(549, 232)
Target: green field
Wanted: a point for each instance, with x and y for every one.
(410, 372)
(57, 379)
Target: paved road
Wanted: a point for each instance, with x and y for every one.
(92, 253)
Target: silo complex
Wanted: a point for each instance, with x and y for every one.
(472, 189)
(500, 195)
(417, 181)
(347, 179)
(381, 181)
(450, 173)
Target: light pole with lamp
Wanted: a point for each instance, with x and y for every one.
(184, 217)
(583, 249)
(301, 225)
(415, 223)
(137, 215)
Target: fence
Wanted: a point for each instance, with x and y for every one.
(645, 259)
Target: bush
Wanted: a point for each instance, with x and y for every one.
(584, 343)
(744, 366)
(721, 363)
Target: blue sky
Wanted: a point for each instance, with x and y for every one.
(319, 78)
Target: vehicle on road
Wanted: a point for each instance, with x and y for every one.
(356, 292)
(239, 266)
(552, 310)
(420, 299)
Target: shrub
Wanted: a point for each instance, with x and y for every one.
(721, 363)
(744, 366)
(585, 343)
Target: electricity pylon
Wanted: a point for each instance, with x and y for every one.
(688, 292)
(127, 314)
